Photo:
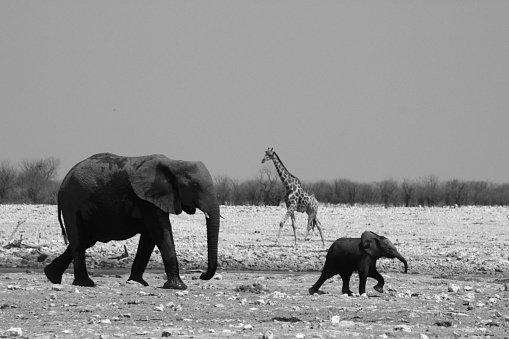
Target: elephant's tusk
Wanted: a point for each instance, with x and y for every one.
(206, 215)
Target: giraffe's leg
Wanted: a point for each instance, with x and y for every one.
(311, 217)
(281, 224)
(319, 226)
(294, 227)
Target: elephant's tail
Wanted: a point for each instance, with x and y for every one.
(64, 234)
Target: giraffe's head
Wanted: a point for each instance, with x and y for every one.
(269, 155)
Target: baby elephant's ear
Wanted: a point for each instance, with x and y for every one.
(371, 244)
(154, 181)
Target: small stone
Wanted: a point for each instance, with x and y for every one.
(453, 288)
(105, 321)
(335, 319)
(248, 327)
(300, 335)
(218, 277)
(259, 302)
(423, 336)
(467, 288)
(159, 308)
(404, 328)
(182, 293)
(268, 335)
(57, 287)
(165, 334)
(14, 332)
(219, 305)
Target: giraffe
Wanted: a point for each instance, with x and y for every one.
(296, 199)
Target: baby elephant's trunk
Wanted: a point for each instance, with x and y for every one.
(403, 260)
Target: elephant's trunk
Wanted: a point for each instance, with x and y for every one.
(212, 241)
(403, 260)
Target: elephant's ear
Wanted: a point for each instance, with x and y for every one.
(371, 244)
(153, 181)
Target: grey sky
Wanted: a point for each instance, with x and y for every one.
(363, 90)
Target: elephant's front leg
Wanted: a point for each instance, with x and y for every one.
(364, 266)
(373, 273)
(161, 234)
(167, 249)
(145, 249)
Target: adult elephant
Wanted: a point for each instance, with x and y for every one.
(110, 197)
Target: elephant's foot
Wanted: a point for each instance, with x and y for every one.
(175, 284)
(379, 288)
(55, 278)
(85, 282)
(139, 280)
(315, 291)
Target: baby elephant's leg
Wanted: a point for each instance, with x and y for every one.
(345, 276)
(373, 273)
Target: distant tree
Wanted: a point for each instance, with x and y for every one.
(224, 189)
(271, 189)
(8, 177)
(349, 190)
(407, 190)
(37, 180)
(321, 189)
(249, 192)
(367, 193)
(454, 192)
(500, 195)
(479, 192)
(431, 193)
(387, 189)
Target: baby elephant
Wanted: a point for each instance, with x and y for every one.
(357, 254)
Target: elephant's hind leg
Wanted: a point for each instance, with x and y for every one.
(81, 277)
(326, 274)
(57, 267)
(145, 249)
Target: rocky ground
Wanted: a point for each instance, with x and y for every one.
(456, 286)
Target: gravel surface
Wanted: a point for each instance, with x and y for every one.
(465, 240)
(457, 284)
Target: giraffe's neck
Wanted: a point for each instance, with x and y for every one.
(289, 181)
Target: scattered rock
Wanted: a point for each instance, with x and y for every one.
(14, 332)
(404, 328)
(453, 288)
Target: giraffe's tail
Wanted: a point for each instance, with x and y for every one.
(314, 223)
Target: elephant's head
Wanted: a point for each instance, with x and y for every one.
(175, 186)
(379, 246)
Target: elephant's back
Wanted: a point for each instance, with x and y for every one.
(99, 176)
